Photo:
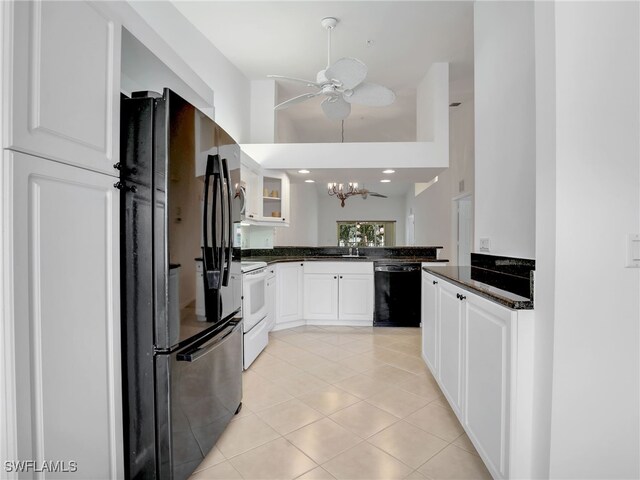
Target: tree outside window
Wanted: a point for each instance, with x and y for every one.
(370, 233)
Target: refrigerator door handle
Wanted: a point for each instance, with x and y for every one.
(200, 351)
(211, 275)
(218, 250)
(229, 246)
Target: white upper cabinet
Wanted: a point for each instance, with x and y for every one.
(275, 197)
(62, 65)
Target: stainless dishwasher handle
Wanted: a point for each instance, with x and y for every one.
(200, 351)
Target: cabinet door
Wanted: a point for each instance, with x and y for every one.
(66, 277)
(253, 191)
(271, 301)
(320, 296)
(64, 83)
(450, 345)
(289, 292)
(430, 321)
(486, 353)
(356, 297)
(275, 197)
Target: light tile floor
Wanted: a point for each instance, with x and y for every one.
(342, 403)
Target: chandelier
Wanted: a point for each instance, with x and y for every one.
(338, 190)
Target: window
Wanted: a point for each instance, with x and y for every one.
(370, 233)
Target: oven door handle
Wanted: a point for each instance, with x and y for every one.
(200, 351)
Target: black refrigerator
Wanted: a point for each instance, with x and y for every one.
(181, 345)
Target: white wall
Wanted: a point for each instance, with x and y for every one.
(595, 309)
(263, 120)
(347, 155)
(432, 108)
(231, 88)
(505, 127)
(545, 282)
(433, 209)
(373, 208)
(303, 229)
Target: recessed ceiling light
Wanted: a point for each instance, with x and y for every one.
(310, 181)
(388, 171)
(303, 171)
(386, 180)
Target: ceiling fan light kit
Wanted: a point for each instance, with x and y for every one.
(341, 82)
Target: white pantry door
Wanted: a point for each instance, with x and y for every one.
(66, 322)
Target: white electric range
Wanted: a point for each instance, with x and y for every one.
(254, 309)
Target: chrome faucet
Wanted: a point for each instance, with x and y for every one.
(350, 250)
(357, 252)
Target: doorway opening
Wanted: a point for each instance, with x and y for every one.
(464, 229)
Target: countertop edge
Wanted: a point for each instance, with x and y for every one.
(271, 261)
(511, 304)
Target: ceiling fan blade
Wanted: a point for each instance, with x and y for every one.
(350, 72)
(294, 100)
(336, 108)
(308, 83)
(374, 194)
(371, 95)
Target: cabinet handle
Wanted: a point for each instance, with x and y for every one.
(122, 186)
(334, 277)
(462, 297)
(132, 171)
(302, 264)
(435, 283)
(340, 276)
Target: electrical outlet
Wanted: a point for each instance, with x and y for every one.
(485, 245)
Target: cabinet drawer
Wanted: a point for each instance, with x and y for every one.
(357, 267)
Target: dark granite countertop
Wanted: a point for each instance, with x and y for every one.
(485, 283)
(328, 258)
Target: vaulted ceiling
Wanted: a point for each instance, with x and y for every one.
(397, 40)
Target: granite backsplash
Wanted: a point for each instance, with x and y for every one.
(378, 252)
(512, 274)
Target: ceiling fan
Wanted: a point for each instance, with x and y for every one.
(338, 190)
(342, 83)
(365, 193)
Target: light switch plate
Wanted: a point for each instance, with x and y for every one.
(633, 250)
(485, 245)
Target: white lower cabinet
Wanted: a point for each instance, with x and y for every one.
(64, 283)
(320, 296)
(481, 354)
(450, 346)
(289, 287)
(271, 297)
(487, 377)
(356, 297)
(429, 324)
(338, 291)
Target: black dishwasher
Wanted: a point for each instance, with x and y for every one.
(397, 294)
